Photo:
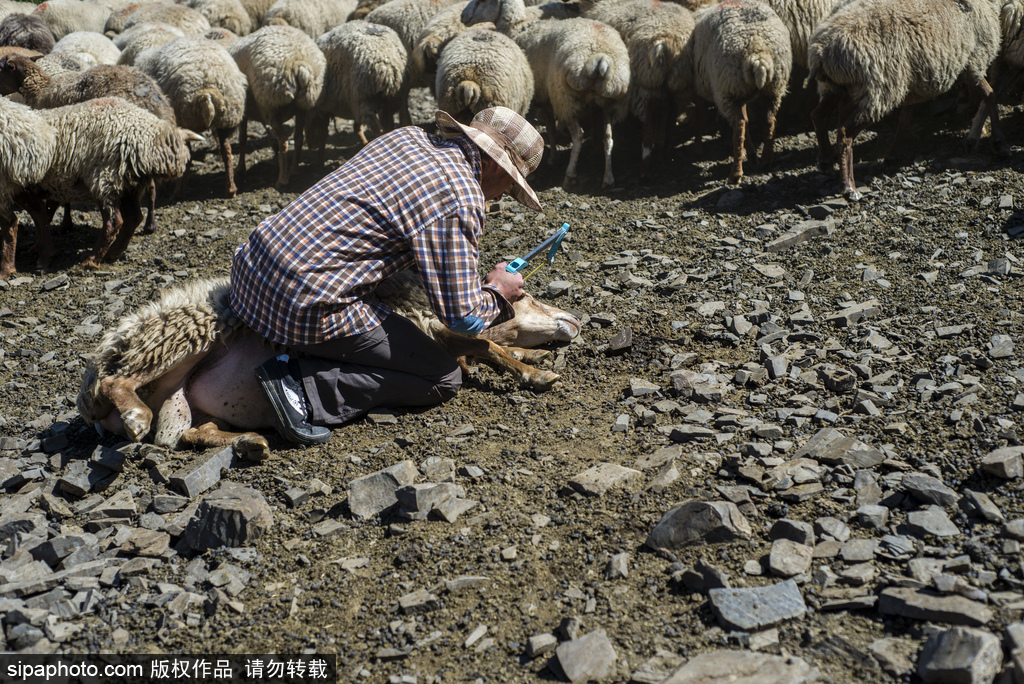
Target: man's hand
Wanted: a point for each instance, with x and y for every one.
(510, 285)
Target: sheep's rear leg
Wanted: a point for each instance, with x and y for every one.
(462, 347)
(243, 139)
(827, 104)
(281, 140)
(608, 180)
(224, 146)
(112, 222)
(247, 445)
(577, 144)
(150, 226)
(42, 213)
(739, 130)
(131, 214)
(999, 144)
(300, 132)
(8, 243)
(768, 152)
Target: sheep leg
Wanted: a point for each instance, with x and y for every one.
(67, 223)
(317, 136)
(8, 243)
(608, 180)
(300, 132)
(136, 416)
(243, 135)
(768, 153)
(224, 146)
(112, 222)
(179, 187)
(999, 144)
(902, 124)
(463, 347)
(247, 445)
(281, 140)
(131, 214)
(827, 104)
(150, 226)
(42, 213)
(739, 130)
(653, 135)
(574, 155)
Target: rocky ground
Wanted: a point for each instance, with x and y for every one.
(832, 389)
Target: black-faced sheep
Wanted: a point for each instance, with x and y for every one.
(578, 65)
(27, 31)
(481, 68)
(182, 368)
(740, 50)
(365, 78)
(285, 71)
(26, 153)
(870, 57)
(67, 16)
(108, 152)
(313, 17)
(206, 88)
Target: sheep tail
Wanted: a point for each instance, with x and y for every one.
(206, 106)
(602, 75)
(306, 90)
(760, 67)
(467, 94)
(388, 78)
(1011, 18)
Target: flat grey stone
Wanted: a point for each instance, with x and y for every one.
(929, 490)
(657, 668)
(168, 503)
(1006, 463)
(617, 567)
(233, 515)
(202, 473)
(925, 605)
(142, 542)
(697, 522)
(932, 520)
(119, 505)
(539, 644)
(449, 510)
(81, 477)
(788, 558)
(828, 445)
(427, 496)
(795, 530)
(852, 315)
(801, 232)
(960, 655)
(894, 655)
(833, 528)
(419, 601)
(596, 481)
(756, 608)
(373, 493)
(685, 433)
(729, 667)
(111, 459)
(982, 503)
(588, 658)
(873, 516)
(859, 550)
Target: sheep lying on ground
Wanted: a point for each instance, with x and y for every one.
(27, 31)
(578, 65)
(364, 80)
(67, 16)
(285, 71)
(88, 47)
(182, 368)
(26, 153)
(481, 68)
(314, 17)
(108, 152)
(740, 50)
(657, 35)
(871, 56)
(206, 88)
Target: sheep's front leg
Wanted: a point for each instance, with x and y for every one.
(577, 144)
(738, 118)
(462, 346)
(999, 144)
(131, 214)
(112, 223)
(224, 146)
(150, 226)
(608, 180)
(135, 415)
(247, 445)
(8, 243)
(819, 117)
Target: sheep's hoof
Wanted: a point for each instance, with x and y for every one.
(1002, 149)
(734, 178)
(232, 191)
(568, 181)
(136, 424)
(530, 356)
(251, 446)
(852, 194)
(541, 381)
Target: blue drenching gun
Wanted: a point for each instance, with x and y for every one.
(550, 244)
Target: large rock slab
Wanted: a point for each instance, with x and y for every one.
(960, 655)
(925, 605)
(602, 477)
(694, 522)
(755, 608)
(376, 492)
(234, 515)
(1007, 463)
(830, 446)
(589, 658)
(929, 490)
(744, 667)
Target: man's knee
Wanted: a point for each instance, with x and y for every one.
(448, 385)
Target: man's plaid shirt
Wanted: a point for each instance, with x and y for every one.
(408, 199)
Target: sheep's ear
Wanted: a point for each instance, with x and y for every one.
(188, 136)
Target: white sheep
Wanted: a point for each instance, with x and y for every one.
(285, 71)
(314, 17)
(222, 36)
(119, 17)
(56, 64)
(26, 152)
(802, 18)
(142, 37)
(205, 87)
(481, 68)
(190, 21)
(871, 56)
(257, 9)
(1011, 55)
(740, 51)
(365, 78)
(657, 35)
(88, 47)
(67, 16)
(11, 7)
(229, 14)
(108, 152)
(578, 65)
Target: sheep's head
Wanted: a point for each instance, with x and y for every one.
(535, 324)
(12, 74)
(478, 11)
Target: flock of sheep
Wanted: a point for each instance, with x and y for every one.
(103, 96)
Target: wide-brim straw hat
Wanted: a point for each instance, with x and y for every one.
(507, 138)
